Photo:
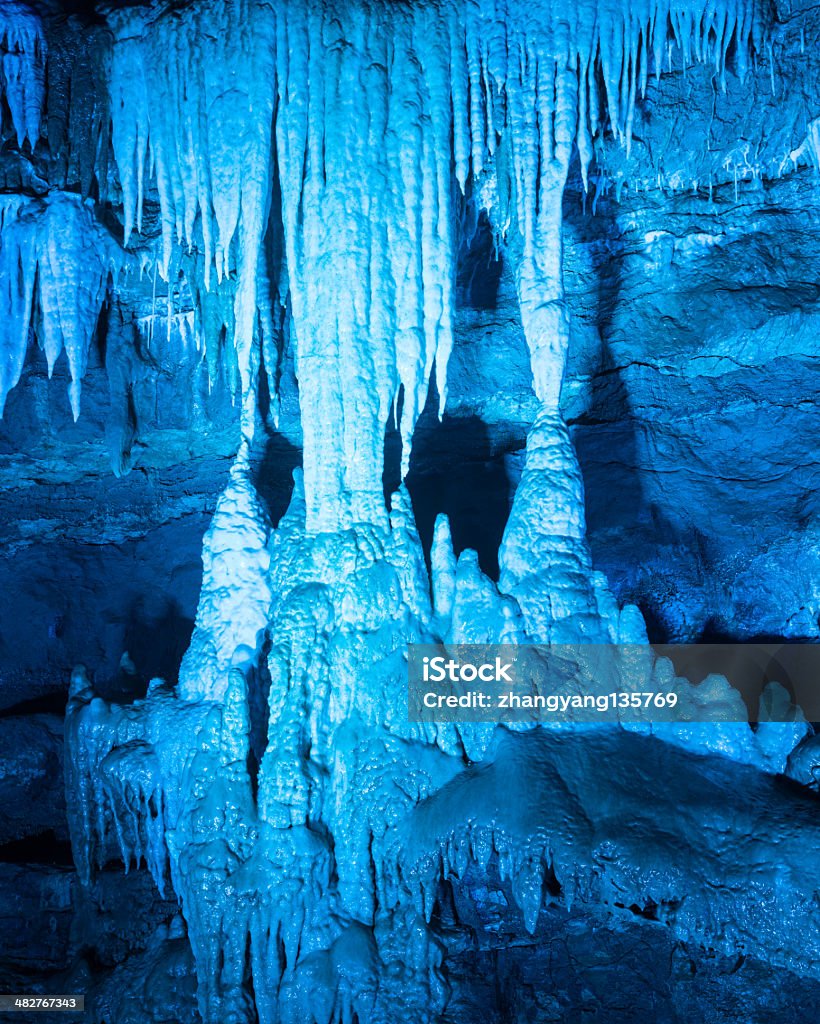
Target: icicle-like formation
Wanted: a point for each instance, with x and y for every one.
(366, 92)
(808, 152)
(22, 69)
(525, 54)
(115, 779)
(528, 74)
(56, 248)
(542, 811)
(374, 100)
(192, 97)
(363, 135)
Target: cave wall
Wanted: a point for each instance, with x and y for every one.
(689, 395)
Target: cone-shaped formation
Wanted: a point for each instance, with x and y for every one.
(22, 69)
(55, 256)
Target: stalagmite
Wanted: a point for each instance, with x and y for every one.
(235, 599)
(544, 558)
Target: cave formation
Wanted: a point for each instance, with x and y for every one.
(329, 328)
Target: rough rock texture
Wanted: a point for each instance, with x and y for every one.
(309, 834)
(32, 800)
(693, 411)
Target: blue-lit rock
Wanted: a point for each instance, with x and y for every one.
(542, 275)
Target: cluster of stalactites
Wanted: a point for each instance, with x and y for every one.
(546, 60)
(363, 136)
(192, 105)
(376, 105)
(192, 94)
(22, 69)
(534, 81)
(53, 251)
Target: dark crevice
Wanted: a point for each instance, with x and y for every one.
(273, 475)
(44, 848)
(479, 269)
(455, 469)
(258, 683)
(649, 912)
(52, 703)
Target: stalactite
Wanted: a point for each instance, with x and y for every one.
(55, 251)
(363, 146)
(534, 76)
(550, 828)
(22, 69)
(367, 95)
(192, 102)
